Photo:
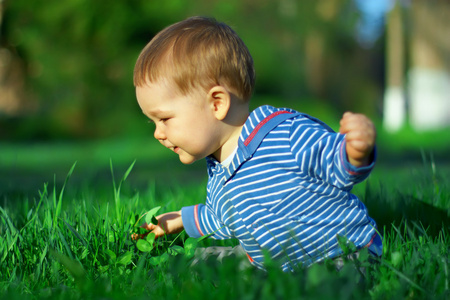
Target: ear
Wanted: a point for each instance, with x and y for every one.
(220, 101)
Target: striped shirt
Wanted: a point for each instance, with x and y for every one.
(286, 192)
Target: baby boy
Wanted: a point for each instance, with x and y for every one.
(279, 181)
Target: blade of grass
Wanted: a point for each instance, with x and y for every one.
(64, 242)
(404, 277)
(73, 266)
(83, 241)
(117, 190)
(398, 232)
(59, 205)
(42, 196)
(11, 226)
(116, 196)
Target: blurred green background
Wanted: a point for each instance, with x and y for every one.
(66, 91)
(76, 58)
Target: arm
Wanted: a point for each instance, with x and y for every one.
(323, 154)
(172, 222)
(199, 221)
(360, 137)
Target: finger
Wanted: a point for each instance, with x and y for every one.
(349, 116)
(345, 122)
(365, 134)
(359, 146)
(137, 236)
(158, 231)
(148, 226)
(356, 123)
(358, 152)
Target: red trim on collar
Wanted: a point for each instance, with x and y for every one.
(262, 123)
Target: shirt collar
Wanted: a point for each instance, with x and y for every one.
(259, 123)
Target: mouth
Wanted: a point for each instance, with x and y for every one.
(175, 149)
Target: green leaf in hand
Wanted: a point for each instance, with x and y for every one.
(150, 215)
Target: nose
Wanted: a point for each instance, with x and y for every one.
(159, 133)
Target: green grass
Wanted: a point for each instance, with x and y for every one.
(70, 238)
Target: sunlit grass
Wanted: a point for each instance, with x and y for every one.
(75, 243)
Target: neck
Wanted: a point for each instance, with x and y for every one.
(229, 145)
(233, 123)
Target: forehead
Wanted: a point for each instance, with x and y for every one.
(161, 96)
(154, 97)
(154, 91)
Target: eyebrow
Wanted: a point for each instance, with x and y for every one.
(157, 113)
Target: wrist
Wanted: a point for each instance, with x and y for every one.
(171, 222)
(359, 163)
(363, 161)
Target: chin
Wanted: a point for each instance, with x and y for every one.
(188, 161)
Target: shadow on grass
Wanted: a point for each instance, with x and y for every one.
(390, 208)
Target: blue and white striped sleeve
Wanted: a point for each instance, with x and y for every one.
(321, 154)
(198, 221)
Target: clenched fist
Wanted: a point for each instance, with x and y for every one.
(360, 137)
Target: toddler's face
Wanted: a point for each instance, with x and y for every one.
(184, 124)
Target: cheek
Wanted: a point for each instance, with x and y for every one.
(193, 132)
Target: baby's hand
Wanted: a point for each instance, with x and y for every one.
(168, 223)
(138, 236)
(360, 138)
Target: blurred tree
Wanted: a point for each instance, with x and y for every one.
(429, 72)
(305, 50)
(78, 56)
(11, 76)
(394, 106)
(428, 69)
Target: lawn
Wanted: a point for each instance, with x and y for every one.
(65, 228)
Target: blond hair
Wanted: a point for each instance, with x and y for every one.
(198, 52)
